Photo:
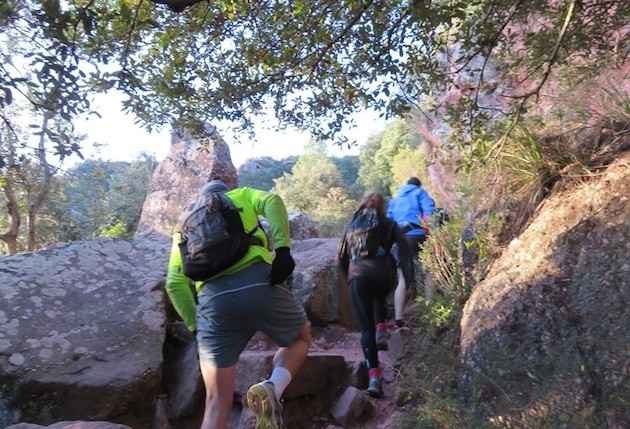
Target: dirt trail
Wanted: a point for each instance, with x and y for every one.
(336, 340)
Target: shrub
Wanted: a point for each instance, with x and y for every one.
(116, 230)
(441, 258)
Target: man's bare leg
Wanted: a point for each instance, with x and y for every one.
(288, 360)
(219, 384)
(264, 398)
(294, 355)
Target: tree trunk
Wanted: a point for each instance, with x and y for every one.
(36, 203)
(11, 235)
(13, 211)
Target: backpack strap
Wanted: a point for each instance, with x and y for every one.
(251, 238)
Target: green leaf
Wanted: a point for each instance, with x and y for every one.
(125, 11)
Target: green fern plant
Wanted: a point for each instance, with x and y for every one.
(439, 258)
(442, 261)
(530, 163)
(615, 102)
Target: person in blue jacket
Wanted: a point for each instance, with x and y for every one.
(410, 208)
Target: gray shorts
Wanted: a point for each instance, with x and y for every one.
(231, 309)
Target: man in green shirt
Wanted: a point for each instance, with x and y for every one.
(233, 305)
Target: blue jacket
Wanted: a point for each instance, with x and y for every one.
(411, 205)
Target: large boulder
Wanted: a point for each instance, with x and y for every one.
(182, 377)
(317, 285)
(81, 331)
(71, 425)
(301, 227)
(547, 331)
(188, 165)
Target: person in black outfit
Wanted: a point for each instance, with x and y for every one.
(370, 279)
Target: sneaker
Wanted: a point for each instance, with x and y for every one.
(381, 340)
(375, 388)
(261, 399)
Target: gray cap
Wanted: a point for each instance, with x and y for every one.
(214, 186)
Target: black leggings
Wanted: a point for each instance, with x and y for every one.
(368, 297)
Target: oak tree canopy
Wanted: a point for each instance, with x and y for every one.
(313, 62)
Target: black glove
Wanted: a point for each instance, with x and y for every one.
(282, 265)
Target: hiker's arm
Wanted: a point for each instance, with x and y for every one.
(272, 207)
(178, 287)
(426, 204)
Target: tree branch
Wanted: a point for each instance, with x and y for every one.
(498, 146)
(341, 35)
(36, 203)
(129, 35)
(13, 211)
(554, 54)
(177, 6)
(493, 41)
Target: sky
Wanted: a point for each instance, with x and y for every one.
(122, 140)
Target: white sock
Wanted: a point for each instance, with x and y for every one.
(280, 377)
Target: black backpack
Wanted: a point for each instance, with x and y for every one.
(362, 236)
(442, 217)
(213, 236)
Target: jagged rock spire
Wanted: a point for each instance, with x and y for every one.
(191, 161)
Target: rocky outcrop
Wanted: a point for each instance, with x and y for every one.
(547, 330)
(71, 425)
(81, 331)
(350, 407)
(186, 168)
(317, 285)
(301, 227)
(83, 328)
(188, 165)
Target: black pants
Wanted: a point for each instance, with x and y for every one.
(415, 243)
(368, 297)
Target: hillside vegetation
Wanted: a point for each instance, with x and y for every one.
(495, 105)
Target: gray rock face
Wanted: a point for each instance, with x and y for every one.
(350, 407)
(71, 425)
(551, 319)
(316, 282)
(300, 224)
(179, 176)
(81, 330)
(182, 376)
